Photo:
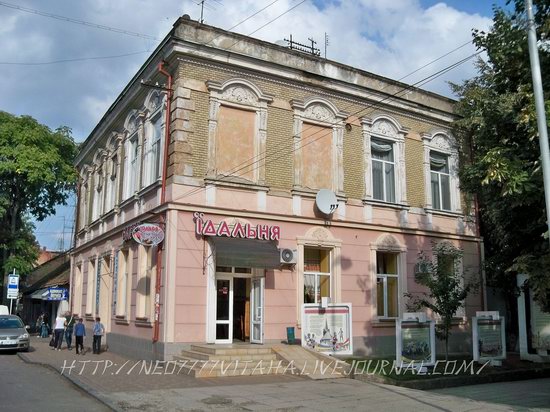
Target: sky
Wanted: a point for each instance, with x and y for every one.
(68, 73)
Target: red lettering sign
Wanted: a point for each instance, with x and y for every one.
(205, 227)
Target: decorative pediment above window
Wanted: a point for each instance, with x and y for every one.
(442, 142)
(238, 91)
(389, 243)
(318, 110)
(384, 128)
(154, 101)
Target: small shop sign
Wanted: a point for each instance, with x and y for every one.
(147, 234)
(205, 227)
(55, 294)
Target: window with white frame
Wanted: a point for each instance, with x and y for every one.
(153, 155)
(441, 172)
(384, 157)
(110, 197)
(83, 211)
(131, 177)
(387, 285)
(98, 194)
(440, 179)
(317, 274)
(383, 170)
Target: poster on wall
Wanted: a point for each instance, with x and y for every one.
(327, 330)
(415, 340)
(540, 327)
(488, 336)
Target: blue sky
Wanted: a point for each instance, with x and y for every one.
(389, 38)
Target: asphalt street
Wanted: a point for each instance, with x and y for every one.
(25, 387)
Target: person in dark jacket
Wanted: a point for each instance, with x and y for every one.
(80, 335)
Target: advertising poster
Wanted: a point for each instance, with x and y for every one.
(489, 337)
(416, 345)
(327, 330)
(540, 327)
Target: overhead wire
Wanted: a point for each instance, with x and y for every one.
(72, 60)
(376, 104)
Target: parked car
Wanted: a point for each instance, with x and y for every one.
(14, 334)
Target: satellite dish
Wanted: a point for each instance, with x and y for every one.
(326, 201)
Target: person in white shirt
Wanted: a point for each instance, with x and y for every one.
(58, 332)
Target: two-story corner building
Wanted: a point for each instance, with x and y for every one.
(255, 130)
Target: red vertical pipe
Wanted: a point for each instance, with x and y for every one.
(156, 329)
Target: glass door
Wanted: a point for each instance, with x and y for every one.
(224, 310)
(257, 311)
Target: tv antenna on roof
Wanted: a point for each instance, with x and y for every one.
(204, 5)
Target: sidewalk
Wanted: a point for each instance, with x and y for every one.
(124, 384)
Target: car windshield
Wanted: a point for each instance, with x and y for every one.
(10, 323)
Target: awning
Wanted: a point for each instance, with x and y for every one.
(246, 253)
(39, 294)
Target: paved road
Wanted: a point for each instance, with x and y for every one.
(521, 395)
(26, 387)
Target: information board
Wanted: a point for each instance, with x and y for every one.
(488, 338)
(327, 330)
(415, 342)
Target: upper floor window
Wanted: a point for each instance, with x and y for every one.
(383, 170)
(237, 131)
(318, 145)
(153, 142)
(384, 144)
(98, 194)
(132, 160)
(441, 172)
(110, 197)
(440, 181)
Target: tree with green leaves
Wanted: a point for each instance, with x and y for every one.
(447, 287)
(501, 168)
(36, 175)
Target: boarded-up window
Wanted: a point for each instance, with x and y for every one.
(316, 156)
(235, 142)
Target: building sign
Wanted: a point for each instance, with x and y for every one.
(540, 327)
(148, 234)
(13, 286)
(205, 227)
(327, 330)
(98, 284)
(415, 341)
(55, 294)
(488, 336)
(128, 232)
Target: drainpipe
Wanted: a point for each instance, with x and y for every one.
(156, 329)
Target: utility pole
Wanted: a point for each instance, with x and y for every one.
(539, 104)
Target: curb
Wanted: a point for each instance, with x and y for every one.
(80, 385)
(430, 384)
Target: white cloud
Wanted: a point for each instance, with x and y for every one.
(389, 38)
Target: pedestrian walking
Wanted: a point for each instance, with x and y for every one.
(58, 332)
(98, 331)
(69, 325)
(79, 335)
(45, 332)
(38, 326)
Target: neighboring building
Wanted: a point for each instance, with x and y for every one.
(47, 290)
(44, 255)
(256, 130)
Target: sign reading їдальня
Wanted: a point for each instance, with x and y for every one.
(205, 227)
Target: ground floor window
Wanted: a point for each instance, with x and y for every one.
(387, 285)
(317, 282)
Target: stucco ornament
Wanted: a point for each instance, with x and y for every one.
(155, 102)
(320, 234)
(385, 128)
(387, 242)
(319, 112)
(441, 142)
(239, 94)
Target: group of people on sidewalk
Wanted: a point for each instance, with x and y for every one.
(66, 325)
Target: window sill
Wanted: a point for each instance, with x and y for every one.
(440, 212)
(236, 182)
(143, 191)
(381, 203)
(121, 320)
(312, 193)
(384, 323)
(143, 323)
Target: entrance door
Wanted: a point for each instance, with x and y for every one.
(257, 311)
(224, 310)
